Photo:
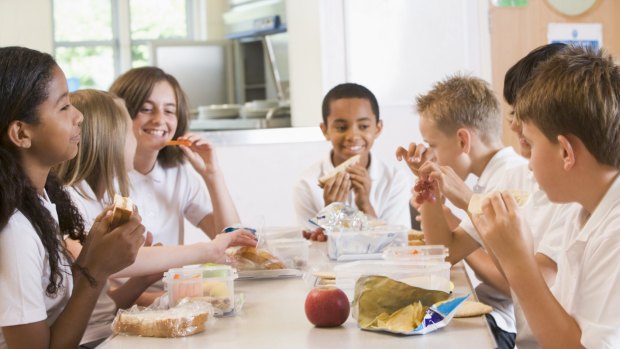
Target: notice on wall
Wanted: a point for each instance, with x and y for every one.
(584, 34)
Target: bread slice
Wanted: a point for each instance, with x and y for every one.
(123, 209)
(262, 259)
(173, 322)
(340, 168)
(475, 204)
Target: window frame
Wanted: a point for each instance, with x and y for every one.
(121, 42)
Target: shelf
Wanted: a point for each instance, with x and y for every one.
(239, 124)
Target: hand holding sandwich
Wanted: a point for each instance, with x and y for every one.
(361, 184)
(337, 188)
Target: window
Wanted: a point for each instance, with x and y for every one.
(97, 40)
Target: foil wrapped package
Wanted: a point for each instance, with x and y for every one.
(338, 216)
(386, 305)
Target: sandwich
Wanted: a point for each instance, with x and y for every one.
(251, 258)
(475, 204)
(340, 168)
(123, 209)
(179, 321)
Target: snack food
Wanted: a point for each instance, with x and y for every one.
(340, 168)
(475, 203)
(472, 308)
(251, 258)
(180, 321)
(123, 209)
(184, 142)
(415, 238)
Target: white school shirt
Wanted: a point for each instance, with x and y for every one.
(165, 196)
(546, 222)
(390, 192)
(501, 164)
(588, 279)
(100, 322)
(24, 275)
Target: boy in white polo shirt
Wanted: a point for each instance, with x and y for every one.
(571, 121)
(351, 123)
(460, 121)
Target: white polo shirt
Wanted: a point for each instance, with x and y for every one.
(501, 165)
(390, 192)
(99, 324)
(165, 196)
(24, 275)
(588, 280)
(546, 222)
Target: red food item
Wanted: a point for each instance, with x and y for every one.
(314, 235)
(327, 306)
(424, 190)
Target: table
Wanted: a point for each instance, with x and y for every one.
(273, 317)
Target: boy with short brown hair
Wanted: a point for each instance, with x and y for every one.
(571, 119)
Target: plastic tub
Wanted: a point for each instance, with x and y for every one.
(292, 252)
(365, 244)
(431, 276)
(214, 283)
(426, 253)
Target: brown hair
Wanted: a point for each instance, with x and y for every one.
(576, 92)
(135, 87)
(462, 101)
(103, 140)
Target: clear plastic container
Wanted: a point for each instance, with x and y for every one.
(212, 283)
(292, 252)
(426, 253)
(366, 244)
(431, 276)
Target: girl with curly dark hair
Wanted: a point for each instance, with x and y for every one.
(46, 297)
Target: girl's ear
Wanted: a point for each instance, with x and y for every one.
(568, 152)
(464, 137)
(19, 134)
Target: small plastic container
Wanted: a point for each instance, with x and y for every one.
(365, 244)
(213, 283)
(293, 253)
(426, 253)
(431, 276)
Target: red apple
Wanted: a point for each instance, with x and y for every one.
(327, 306)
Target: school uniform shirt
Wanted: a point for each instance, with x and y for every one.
(588, 276)
(24, 275)
(546, 222)
(165, 196)
(99, 324)
(501, 164)
(390, 192)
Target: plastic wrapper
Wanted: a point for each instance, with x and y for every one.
(338, 216)
(250, 258)
(383, 304)
(364, 244)
(187, 318)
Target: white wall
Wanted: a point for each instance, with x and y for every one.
(26, 23)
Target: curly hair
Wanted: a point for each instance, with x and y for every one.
(25, 76)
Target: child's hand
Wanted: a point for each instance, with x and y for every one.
(121, 242)
(415, 156)
(201, 154)
(148, 280)
(448, 183)
(502, 229)
(221, 242)
(337, 188)
(361, 184)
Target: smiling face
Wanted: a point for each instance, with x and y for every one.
(446, 148)
(352, 128)
(156, 120)
(56, 136)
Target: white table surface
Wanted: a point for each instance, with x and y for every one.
(273, 317)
